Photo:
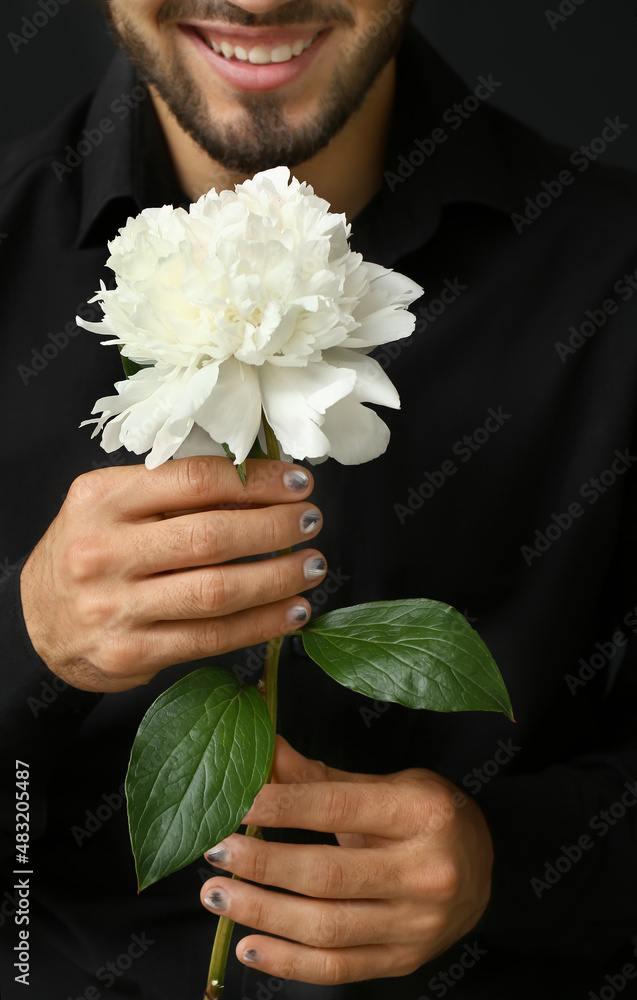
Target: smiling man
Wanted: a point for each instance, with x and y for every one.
(240, 87)
(407, 854)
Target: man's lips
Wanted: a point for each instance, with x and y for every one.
(251, 49)
(268, 38)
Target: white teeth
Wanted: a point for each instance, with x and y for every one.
(259, 56)
(282, 53)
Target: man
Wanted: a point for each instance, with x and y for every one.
(508, 490)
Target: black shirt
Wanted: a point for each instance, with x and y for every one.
(508, 490)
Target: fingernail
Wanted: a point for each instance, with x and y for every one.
(253, 956)
(219, 854)
(309, 521)
(314, 568)
(296, 479)
(297, 614)
(218, 899)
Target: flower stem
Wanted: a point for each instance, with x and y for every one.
(221, 948)
(218, 960)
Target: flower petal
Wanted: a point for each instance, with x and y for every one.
(199, 442)
(232, 412)
(356, 434)
(294, 400)
(372, 384)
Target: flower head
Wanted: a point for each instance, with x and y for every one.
(252, 300)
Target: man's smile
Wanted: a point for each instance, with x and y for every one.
(256, 58)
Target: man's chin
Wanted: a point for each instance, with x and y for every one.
(258, 136)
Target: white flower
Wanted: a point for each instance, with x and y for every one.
(250, 300)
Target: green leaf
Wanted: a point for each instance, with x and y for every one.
(256, 451)
(418, 653)
(201, 754)
(131, 367)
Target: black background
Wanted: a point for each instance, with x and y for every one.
(563, 81)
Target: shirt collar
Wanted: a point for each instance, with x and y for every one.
(130, 167)
(423, 175)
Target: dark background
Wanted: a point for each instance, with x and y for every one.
(563, 82)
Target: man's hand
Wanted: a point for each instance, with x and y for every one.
(411, 877)
(133, 574)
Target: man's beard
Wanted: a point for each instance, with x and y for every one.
(264, 138)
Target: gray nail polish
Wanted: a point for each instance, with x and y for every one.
(252, 955)
(309, 521)
(219, 854)
(296, 479)
(314, 568)
(297, 614)
(218, 899)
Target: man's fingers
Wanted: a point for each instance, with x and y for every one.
(170, 642)
(222, 590)
(212, 537)
(322, 871)
(323, 966)
(317, 922)
(375, 808)
(196, 484)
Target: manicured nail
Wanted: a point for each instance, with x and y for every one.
(253, 956)
(218, 899)
(314, 568)
(309, 521)
(296, 479)
(219, 854)
(297, 614)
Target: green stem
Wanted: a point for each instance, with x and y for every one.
(218, 959)
(221, 948)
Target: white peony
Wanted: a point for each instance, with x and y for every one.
(251, 300)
